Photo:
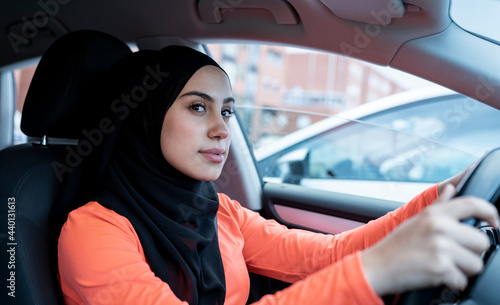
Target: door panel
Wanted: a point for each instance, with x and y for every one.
(313, 220)
(318, 210)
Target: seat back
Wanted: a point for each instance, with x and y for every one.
(38, 177)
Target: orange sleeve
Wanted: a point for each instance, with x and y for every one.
(341, 283)
(300, 257)
(367, 235)
(325, 269)
(272, 250)
(101, 262)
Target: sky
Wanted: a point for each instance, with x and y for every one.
(404, 79)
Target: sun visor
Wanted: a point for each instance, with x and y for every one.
(378, 12)
(213, 11)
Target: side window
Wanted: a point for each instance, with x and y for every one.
(325, 121)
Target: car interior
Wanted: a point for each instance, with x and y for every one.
(43, 179)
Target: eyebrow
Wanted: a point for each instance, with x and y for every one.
(208, 97)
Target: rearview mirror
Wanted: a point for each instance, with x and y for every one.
(294, 165)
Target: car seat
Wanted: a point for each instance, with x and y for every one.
(49, 173)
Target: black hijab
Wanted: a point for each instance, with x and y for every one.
(173, 214)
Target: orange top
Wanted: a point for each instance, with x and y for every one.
(101, 260)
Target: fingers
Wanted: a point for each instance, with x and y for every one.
(455, 279)
(467, 262)
(462, 208)
(448, 262)
(455, 180)
(456, 248)
(464, 235)
(462, 264)
(443, 219)
(447, 191)
(466, 207)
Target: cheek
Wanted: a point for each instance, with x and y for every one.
(181, 130)
(176, 139)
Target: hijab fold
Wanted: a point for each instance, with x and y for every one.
(173, 214)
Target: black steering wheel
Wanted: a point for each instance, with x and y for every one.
(483, 181)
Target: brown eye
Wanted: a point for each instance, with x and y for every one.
(197, 107)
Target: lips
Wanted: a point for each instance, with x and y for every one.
(215, 155)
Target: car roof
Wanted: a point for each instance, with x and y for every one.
(424, 40)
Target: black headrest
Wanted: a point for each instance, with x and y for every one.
(65, 87)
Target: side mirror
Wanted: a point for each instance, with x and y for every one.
(294, 166)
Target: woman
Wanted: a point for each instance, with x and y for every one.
(156, 232)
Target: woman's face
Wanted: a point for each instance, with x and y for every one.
(195, 136)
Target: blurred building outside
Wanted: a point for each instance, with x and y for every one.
(298, 80)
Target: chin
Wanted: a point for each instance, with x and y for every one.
(209, 177)
(206, 175)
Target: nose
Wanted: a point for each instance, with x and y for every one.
(219, 129)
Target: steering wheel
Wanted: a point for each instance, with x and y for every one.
(483, 181)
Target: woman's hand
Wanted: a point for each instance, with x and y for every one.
(455, 180)
(431, 248)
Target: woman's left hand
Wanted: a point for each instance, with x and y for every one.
(431, 248)
(455, 180)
